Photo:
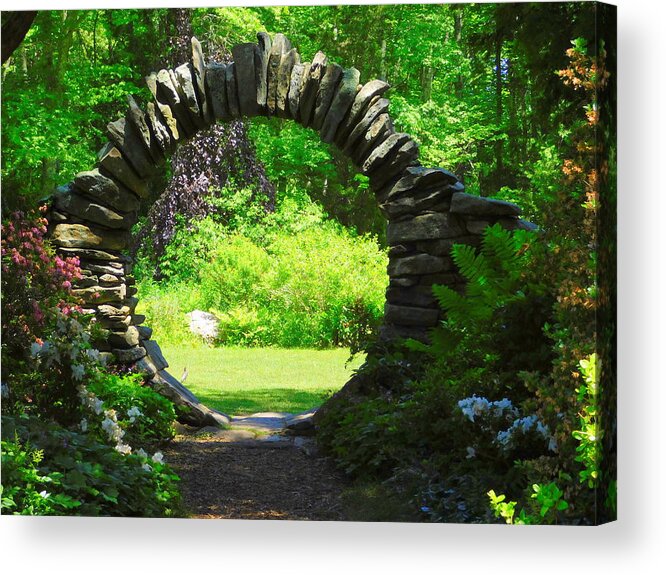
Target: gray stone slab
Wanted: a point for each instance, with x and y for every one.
(232, 90)
(444, 247)
(261, 69)
(155, 353)
(432, 199)
(109, 192)
(384, 152)
(216, 86)
(96, 255)
(377, 108)
(410, 316)
(340, 105)
(126, 138)
(416, 265)
(327, 88)
(108, 280)
(129, 355)
(163, 85)
(138, 118)
(185, 84)
(301, 422)
(420, 178)
(299, 75)
(476, 226)
(363, 97)
(82, 236)
(81, 207)
(424, 227)
(311, 88)
(287, 63)
(114, 166)
(100, 295)
(395, 165)
(414, 296)
(378, 131)
(281, 45)
(267, 421)
(113, 310)
(145, 333)
(112, 268)
(199, 69)
(160, 128)
(246, 81)
(192, 411)
(468, 204)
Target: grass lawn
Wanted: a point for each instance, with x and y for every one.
(240, 381)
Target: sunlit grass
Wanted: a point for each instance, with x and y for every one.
(249, 380)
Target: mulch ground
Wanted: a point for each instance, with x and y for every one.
(254, 480)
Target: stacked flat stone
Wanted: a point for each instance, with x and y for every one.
(428, 213)
(426, 207)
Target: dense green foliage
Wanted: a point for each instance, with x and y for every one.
(290, 278)
(50, 470)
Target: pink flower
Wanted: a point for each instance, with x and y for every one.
(37, 311)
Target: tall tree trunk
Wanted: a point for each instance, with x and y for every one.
(427, 76)
(457, 34)
(14, 30)
(70, 21)
(514, 144)
(382, 61)
(179, 22)
(499, 85)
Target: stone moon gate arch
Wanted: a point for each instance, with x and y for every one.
(426, 208)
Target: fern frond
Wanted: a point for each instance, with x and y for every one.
(447, 298)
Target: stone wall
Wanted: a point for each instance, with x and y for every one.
(426, 208)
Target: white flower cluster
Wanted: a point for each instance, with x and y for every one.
(133, 413)
(114, 432)
(45, 351)
(111, 426)
(525, 425)
(475, 406)
(78, 371)
(157, 458)
(90, 401)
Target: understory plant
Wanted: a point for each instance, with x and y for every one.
(50, 470)
(508, 420)
(74, 435)
(469, 424)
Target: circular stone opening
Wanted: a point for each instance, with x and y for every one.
(426, 208)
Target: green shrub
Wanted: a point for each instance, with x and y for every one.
(315, 287)
(49, 470)
(233, 274)
(165, 306)
(145, 416)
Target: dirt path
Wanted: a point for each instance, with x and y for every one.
(238, 474)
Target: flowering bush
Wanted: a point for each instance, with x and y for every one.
(45, 339)
(143, 415)
(45, 381)
(49, 470)
(48, 362)
(36, 283)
